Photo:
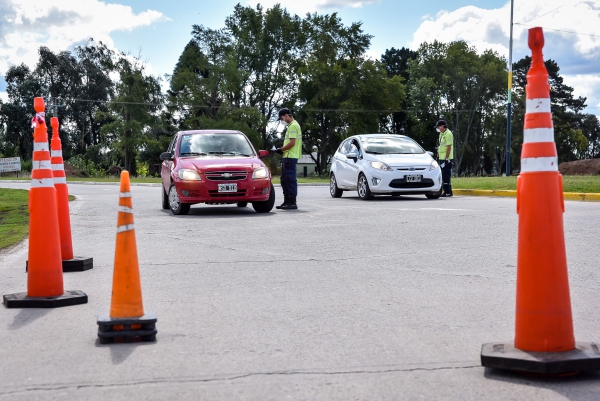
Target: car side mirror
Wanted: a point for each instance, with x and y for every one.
(263, 153)
(352, 155)
(430, 153)
(166, 156)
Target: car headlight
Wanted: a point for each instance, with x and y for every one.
(434, 165)
(188, 175)
(380, 166)
(261, 172)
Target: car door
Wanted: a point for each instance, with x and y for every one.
(353, 165)
(167, 165)
(341, 168)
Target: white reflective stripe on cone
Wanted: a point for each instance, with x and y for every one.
(124, 194)
(56, 153)
(58, 166)
(42, 182)
(40, 164)
(60, 180)
(125, 209)
(533, 164)
(540, 105)
(40, 146)
(127, 227)
(538, 135)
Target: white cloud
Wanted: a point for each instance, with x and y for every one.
(25, 25)
(578, 55)
(309, 6)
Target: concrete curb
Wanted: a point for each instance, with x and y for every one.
(575, 196)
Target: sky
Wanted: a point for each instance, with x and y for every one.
(158, 30)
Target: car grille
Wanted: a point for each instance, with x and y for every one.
(213, 193)
(401, 183)
(411, 168)
(226, 175)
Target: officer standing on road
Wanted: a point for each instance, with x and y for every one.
(291, 151)
(445, 155)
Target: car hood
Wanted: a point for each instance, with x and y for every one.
(207, 163)
(398, 160)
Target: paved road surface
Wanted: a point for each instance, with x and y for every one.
(340, 300)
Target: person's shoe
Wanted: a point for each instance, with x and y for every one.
(285, 202)
(291, 205)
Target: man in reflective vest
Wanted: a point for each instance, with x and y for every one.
(445, 155)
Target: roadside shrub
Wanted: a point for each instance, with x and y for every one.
(88, 166)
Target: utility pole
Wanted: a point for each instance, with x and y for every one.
(509, 104)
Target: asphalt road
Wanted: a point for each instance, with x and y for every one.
(343, 299)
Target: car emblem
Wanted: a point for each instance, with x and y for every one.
(412, 169)
(226, 175)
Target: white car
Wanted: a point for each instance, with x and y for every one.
(382, 164)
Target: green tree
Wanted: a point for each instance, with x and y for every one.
(134, 111)
(396, 64)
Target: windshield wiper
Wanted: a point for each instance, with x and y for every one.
(216, 153)
(375, 153)
(193, 154)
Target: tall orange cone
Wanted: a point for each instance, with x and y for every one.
(70, 263)
(127, 321)
(544, 341)
(45, 276)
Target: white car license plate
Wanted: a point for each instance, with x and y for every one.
(413, 178)
(227, 187)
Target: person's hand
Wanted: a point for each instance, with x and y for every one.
(278, 151)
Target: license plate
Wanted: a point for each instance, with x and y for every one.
(413, 178)
(227, 187)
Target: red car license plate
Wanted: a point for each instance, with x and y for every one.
(227, 187)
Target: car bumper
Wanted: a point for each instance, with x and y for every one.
(395, 182)
(208, 191)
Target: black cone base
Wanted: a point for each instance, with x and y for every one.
(124, 332)
(585, 356)
(21, 300)
(77, 264)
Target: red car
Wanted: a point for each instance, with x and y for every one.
(214, 167)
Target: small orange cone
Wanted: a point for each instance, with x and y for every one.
(45, 276)
(544, 341)
(127, 321)
(70, 263)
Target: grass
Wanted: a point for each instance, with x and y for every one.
(14, 216)
(571, 183)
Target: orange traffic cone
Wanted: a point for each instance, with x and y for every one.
(70, 263)
(127, 321)
(44, 278)
(544, 341)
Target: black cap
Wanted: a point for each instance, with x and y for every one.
(441, 122)
(284, 111)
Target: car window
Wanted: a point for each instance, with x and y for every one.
(390, 145)
(172, 144)
(215, 144)
(345, 147)
(354, 147)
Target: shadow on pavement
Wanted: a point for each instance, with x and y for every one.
(119, 352)
(27, 316)
(579, 387)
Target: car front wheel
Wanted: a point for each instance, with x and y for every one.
(265, 206)
(435, 195)
(363, 188)
(175, 205)
(333, 188)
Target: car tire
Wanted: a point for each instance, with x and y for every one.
(242, 204)
(362, 187)
(434, 196)
(265, 206)
(165, 198)
(334, 191)
(177, 208)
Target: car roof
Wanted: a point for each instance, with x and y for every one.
(210, 131)
(381, 136)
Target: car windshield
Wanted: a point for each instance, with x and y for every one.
(390, 145)
(214, 144)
